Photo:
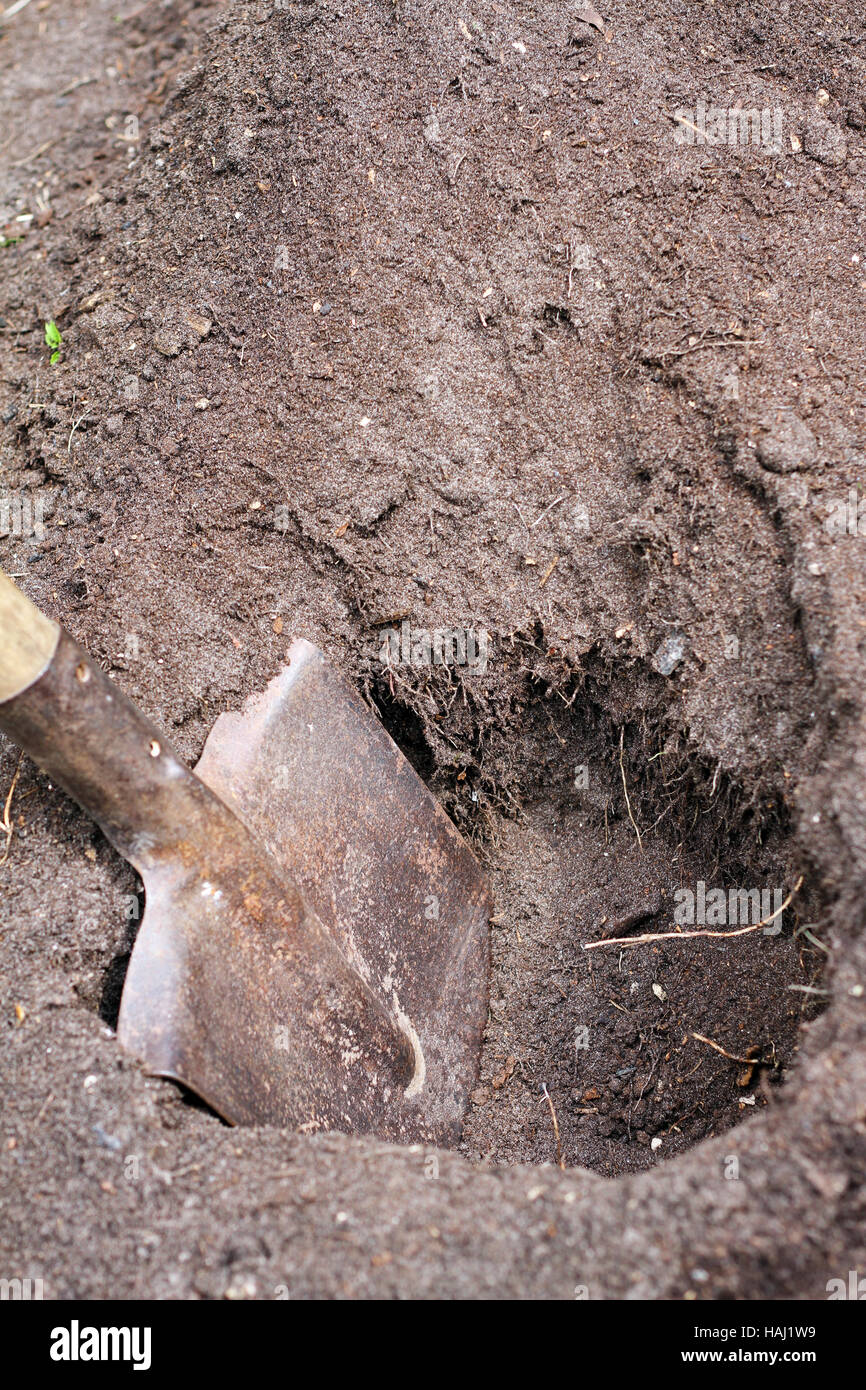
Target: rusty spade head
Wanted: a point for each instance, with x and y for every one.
(313, 951)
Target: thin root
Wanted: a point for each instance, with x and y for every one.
(559, 1158)
(627, 802)
(6, 823)
(690, 935)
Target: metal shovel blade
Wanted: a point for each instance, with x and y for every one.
(388, 888)
(311, 771)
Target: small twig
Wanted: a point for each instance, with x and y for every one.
(549, 571)
(625, 789)
(559, 1158)
(6, 823)
(14, 9)
(73, 86)
(732, 1056)
(35, 154)
(690, 935)
(681, 120)
(48, 1101)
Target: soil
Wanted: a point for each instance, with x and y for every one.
(372, 314)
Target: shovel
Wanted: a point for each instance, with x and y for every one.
(313, 952)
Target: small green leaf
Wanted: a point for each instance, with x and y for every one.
(52, 335)
(55, 357)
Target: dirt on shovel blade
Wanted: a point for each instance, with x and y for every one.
(517, 361)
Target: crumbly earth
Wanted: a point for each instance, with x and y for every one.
(394, 312)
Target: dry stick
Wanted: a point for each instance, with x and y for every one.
(748, 1061)
(73, 86)
(35, 154)
(549, 571)
(627, 802)
(44, 1108)
(560, 1160)
(686, 935)
(14, 9)
(681, 120)
(7, 824)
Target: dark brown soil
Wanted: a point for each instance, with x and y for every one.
(383, 312)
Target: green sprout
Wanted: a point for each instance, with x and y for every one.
(53, 340)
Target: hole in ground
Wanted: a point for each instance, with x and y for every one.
(407, 730)
(604, 1040)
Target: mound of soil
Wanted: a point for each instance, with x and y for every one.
(376, 315)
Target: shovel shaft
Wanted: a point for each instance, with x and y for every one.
(107, 756)
(62, 709)
(27, 640)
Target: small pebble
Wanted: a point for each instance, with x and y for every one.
(670, 653)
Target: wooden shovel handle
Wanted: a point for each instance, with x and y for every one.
(28, 640)
(62, 709)
(93, 741)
